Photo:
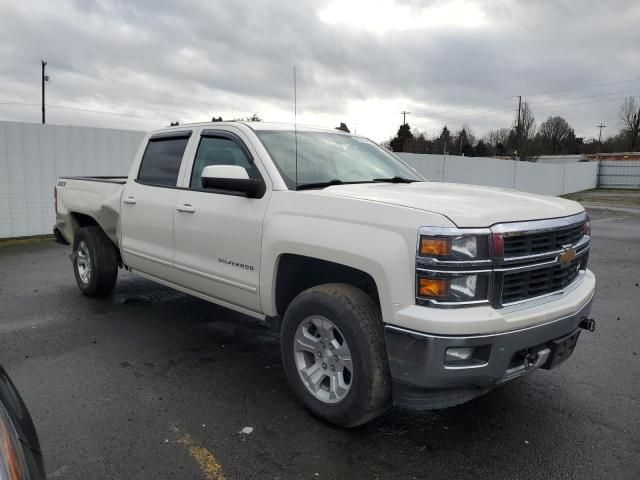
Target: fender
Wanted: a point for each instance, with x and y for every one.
(372, 237)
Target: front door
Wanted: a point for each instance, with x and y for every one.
(218, 234)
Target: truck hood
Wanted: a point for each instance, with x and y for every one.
(464, 205)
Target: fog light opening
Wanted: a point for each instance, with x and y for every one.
(462, 353)
(462, 357)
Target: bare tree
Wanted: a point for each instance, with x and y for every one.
(500, 135)
(630, 116)
(554, 132)
(498, 140)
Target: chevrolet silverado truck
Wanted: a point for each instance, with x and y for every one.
(386, 288)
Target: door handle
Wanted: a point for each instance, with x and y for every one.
(129, 200)
(186, 208)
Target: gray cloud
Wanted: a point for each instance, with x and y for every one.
(237, 56)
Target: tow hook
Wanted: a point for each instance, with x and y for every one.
(529, 360)
(588, 324)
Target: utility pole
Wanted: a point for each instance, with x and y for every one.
(45, 78)
(601, 126)
(518, 130)
(404, 116)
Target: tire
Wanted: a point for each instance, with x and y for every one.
(13, 409)
(95, 262)
(354, 321)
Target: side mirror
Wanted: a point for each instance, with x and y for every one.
(232, 178)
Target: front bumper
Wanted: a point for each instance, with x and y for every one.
(423, 381)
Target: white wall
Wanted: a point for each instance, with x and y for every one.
(546, 179)
(32, 156)
(580, 176)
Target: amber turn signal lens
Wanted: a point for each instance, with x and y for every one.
(438, 247)
(434, 287)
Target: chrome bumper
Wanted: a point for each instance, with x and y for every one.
(423, 381)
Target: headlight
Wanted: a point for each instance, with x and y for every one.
(453, 266)
(452, 287)
(454, 248)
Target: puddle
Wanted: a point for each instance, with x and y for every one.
(129, 299)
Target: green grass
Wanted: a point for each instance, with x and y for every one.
(607, 196)
(7, 242)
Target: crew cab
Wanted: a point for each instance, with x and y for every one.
(386, 288)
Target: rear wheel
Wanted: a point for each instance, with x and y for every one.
(334, 355)
(95, 262)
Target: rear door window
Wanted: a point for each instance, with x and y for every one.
(161, 160)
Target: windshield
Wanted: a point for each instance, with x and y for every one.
(332, 158)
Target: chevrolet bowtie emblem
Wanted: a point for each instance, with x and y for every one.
(566, 257)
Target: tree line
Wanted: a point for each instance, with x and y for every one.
(525, 139)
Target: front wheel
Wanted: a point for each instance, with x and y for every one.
(95, 262)
(334, 355)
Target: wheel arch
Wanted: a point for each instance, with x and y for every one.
(82, 220)
(295, 273)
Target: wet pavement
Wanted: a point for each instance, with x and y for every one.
(152, 383)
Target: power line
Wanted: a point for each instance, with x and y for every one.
(77, 109)
(437, 115)
(18, 81)
(584, 87)
(469, 117)
(603, 94)
(496, 100)
(87, 110)
(160, 92)
(145, 106)
(189, 99)
(22, 104)
(584, 103)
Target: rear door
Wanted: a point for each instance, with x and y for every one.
(218, 233)
(148, 203)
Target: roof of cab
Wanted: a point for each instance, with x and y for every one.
(254, 126)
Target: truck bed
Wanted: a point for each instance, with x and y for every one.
(96, 197)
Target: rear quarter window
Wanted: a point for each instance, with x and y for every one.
(161, 161)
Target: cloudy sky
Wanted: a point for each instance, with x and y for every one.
(140, 64)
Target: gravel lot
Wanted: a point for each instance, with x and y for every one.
(151, 383)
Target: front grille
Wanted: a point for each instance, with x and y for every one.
(534, 283)
(542, 242)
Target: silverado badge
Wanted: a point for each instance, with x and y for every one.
(566, 257)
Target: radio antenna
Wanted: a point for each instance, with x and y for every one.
(295, 120)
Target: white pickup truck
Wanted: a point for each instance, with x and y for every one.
(387, 289)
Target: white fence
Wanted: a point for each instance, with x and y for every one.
(32, 156)
(619, 174)
(546, 179)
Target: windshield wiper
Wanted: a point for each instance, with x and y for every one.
(335, 181)
(395, 179)
(305, 186)
(329, 183)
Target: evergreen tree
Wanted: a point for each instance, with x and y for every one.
(402, 138)
(443, 142)
(481, 149)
